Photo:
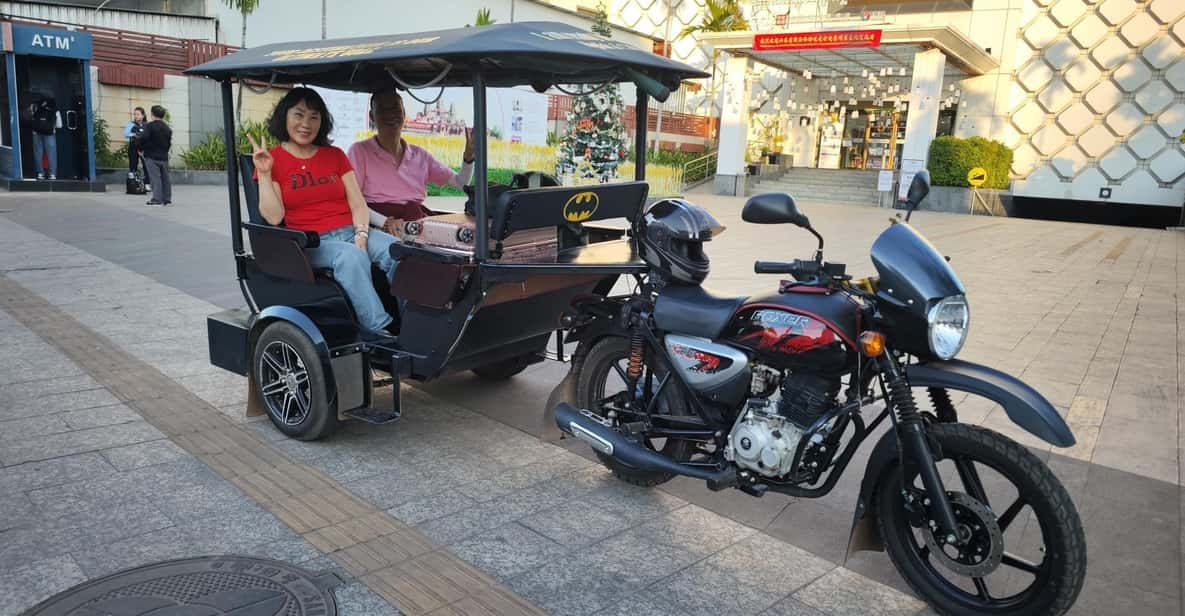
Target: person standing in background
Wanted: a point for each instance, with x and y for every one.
(132, 132)
(45, 120)
(154, 142)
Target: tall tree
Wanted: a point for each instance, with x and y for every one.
(245, 8)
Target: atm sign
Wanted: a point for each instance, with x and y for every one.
(798, 41)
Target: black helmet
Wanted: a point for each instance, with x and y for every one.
(671, 239)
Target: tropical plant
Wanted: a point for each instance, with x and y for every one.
(103, 156)
(719, 16)
(210, 153)
(245, 8)
(484, 19)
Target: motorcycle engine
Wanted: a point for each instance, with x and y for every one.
(766, 435)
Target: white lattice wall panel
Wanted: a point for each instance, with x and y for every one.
(1100, 100)
(649, 17)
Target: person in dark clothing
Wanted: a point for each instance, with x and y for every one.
(132, 132)
(155, 140)
(44, 120)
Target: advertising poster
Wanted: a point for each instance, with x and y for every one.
(513, 115)
(830, 143)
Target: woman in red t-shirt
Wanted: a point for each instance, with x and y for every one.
(309, 185)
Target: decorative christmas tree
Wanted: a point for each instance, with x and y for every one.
(595, 142)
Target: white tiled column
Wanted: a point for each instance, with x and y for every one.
(921, 123)
(734, 131)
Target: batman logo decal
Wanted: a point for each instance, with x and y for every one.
(581, 206)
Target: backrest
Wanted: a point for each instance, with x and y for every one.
(536, 208)
(250, 189)
(278, 256)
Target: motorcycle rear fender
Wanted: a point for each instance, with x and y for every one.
(1024, 406)
(606, 323)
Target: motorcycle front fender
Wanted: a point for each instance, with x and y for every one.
(1024, 405)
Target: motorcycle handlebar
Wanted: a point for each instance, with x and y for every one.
(797, 268)
(772, 267)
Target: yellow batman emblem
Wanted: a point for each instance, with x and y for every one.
(581, 206)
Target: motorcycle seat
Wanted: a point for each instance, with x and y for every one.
(694, 310)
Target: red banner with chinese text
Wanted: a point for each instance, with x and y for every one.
(798, 41)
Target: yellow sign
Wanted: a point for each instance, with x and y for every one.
(581, 206)
(977, 176)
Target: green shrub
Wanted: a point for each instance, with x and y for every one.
(210, 154)
(951, 158)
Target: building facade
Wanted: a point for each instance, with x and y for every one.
(1090, 94)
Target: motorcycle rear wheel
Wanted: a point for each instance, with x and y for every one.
(599, 377)
(1041, 504)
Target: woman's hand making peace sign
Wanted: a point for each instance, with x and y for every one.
(261, 156)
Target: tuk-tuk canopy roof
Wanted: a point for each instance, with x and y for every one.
(539, 54)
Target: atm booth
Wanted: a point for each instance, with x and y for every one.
(42, 61)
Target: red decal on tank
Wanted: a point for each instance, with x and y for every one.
(785, 332)
(707, 363)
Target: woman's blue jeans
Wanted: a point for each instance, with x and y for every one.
(351, 269)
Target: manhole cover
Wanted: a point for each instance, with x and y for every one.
(206, 586)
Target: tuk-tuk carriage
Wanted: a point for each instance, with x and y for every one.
(298, 341)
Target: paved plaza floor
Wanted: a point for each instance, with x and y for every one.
(120, 445)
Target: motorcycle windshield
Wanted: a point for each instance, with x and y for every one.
(911, 270)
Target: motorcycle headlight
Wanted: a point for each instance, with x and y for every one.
(948, 320)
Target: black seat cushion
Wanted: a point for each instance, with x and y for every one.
(694, 310)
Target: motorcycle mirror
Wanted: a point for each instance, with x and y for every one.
(773, 209)
(918, 189)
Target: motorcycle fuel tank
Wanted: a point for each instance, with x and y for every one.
(799, 330)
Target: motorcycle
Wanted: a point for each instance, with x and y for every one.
(771, 393)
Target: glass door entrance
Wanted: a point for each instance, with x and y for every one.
(869, 138)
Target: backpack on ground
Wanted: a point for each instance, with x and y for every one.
(136, 183)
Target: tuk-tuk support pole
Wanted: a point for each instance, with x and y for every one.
(481, 181)
(232, 166)
(641, 115)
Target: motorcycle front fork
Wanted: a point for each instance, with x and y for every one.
(915, 451)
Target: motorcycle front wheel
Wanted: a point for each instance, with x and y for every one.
(1023, 550)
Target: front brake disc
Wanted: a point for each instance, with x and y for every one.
(981, 554)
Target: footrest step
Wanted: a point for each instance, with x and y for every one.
(373, 416)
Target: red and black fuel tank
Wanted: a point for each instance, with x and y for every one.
(803, 329)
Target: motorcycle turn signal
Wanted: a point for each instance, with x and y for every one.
(872, 344)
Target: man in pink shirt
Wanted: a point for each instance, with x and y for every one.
(393, 174)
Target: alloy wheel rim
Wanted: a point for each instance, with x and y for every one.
(284, 383)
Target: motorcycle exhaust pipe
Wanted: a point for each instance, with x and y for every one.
(593, 430)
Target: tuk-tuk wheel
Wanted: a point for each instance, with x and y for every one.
(291, 382)
(502, 370)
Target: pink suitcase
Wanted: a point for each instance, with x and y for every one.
(457, 233)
